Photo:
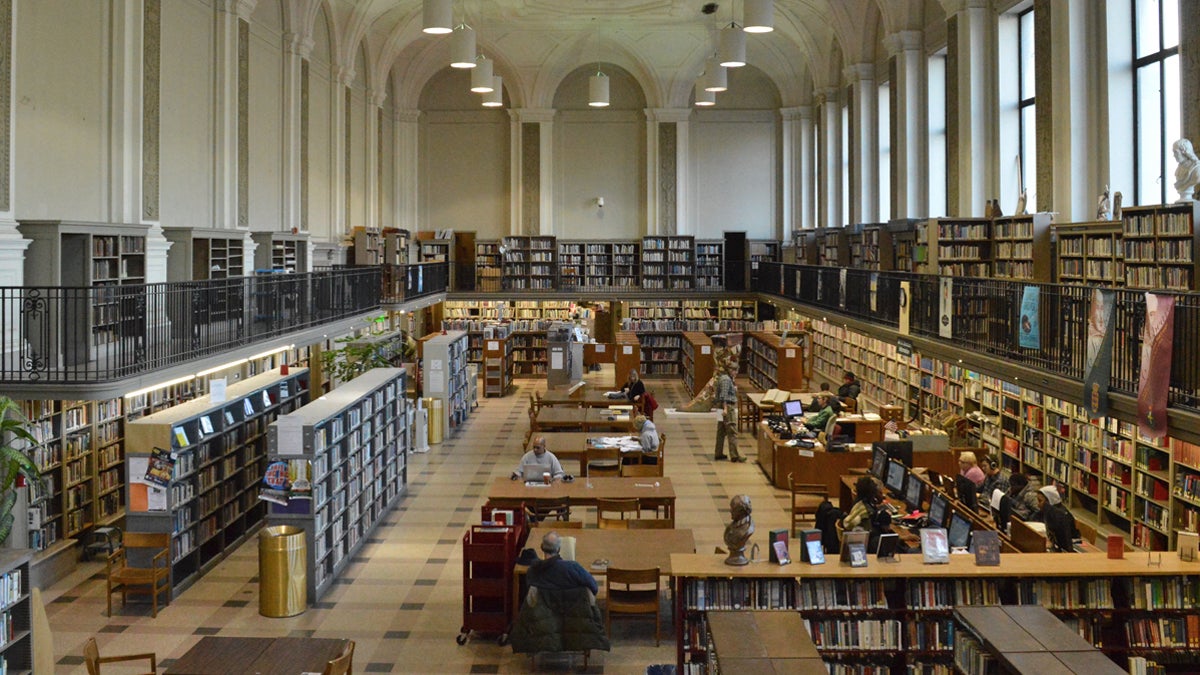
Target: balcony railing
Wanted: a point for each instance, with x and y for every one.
(77, 335)
(987, 314)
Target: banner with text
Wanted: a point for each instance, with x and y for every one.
(1028, 336)
(946, 308)
(1155, 377)
(905, 301)
(1097, 365)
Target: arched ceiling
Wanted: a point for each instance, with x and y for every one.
(536, 43)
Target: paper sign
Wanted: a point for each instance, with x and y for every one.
(790, 353)
(556, 360)
(705, 349)
(436, 382)
(600, 349)
(805, 453)
(216, 390)
(435, 364)
(289, 435)
(626, 349)
(493, 346)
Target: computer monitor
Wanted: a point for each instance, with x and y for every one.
(960, 530)
(901, 451)
(895, 477)
(937, 509)
(793, 409)
(913, 492)
(879, 462)
(966, 492)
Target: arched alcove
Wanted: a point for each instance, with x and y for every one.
(600, 152)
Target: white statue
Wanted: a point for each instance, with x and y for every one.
(1187, 174)
(1102, 208)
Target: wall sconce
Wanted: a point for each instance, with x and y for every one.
(599, 202)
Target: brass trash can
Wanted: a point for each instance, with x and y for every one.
(437, 420)
(282, 571)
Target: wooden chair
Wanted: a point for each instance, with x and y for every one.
(632, 592)
(626, 510)
(91, 657)
(806, 498)
(603, 462)
(550, 508)
(660, 506)
(153, 579)
(651, 524)
(569, 525)
(641, 470)
(849, 405)
(662, 449)
(342, 663)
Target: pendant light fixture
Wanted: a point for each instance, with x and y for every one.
(598, 89)
(716, 79)
(481, 75)
(462, 47)
(494, 98)
(704, 97)
(731, 46)
(438, 17)
(758, 16)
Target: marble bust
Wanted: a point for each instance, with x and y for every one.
(737, 532)
(1187, 174)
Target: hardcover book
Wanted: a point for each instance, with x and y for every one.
(935, 547)
(987, 547)
(181, 437)
(889, 544)
(811, 539)
(779, 552)
(858, 555)
(852, 537)
(813, 553)
(774, 536)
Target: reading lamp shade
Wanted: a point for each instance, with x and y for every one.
(462, 47)
(731, 46)
(437, 17)
(758, 16)
(481, 76)
(704, 97)
(495, 97)
(715, 79)
(598, 90)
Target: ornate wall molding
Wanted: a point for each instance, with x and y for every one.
(668, 149)
(304, 145)
(531, 178)
(6, 56)
(243, 125)
(151, 74)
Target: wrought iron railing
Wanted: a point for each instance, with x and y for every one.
(986, 318)
(75, 335)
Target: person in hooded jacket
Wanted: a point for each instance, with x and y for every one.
(1060, 523)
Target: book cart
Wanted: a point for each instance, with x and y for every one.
(489, 556)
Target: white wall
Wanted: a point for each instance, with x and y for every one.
(60, 116)
(266, 127)
(733, 162)
(464, 182)
(599, 154)
(186, 121)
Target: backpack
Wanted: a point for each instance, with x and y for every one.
(827, 518)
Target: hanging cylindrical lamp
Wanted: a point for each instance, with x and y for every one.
(495, 97)
(704, 97)
(598, 90)
(716, 79)
(438, 17)
(731, 46)
(758, 16)
(481, 76)
(462, 47)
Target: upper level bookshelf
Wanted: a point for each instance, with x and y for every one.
(958, 247)
(1021, 248)
(367, 246)
(710, 267)
(871, 247)
(805, 244)
(833, 247)
(1159, 244)
(765, 250)
(908, 255)
(669, 263)
(198, 254)
(435, 250)
(530, 263)
(396, 244)
(281, 251)
(1090, 253)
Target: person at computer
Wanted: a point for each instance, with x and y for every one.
(552, 573)
(993, 477)
(539, 456)
(1024, 490)
(648, 437)
(833, 401)
(1060, 524)
(968, 466)
(824, 413)
(865, 513)
(850, 388)
(634, 388)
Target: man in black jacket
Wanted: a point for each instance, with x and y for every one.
(554, 573)
(850, 387)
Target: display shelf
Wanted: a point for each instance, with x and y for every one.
(281, 251)
(446, 376)
(530, 263)
(710, 264)
(1021, 249)
(350, 445)
(1090, 254)
(1159, 246)
(497, 360)
(218, 454)
(489, 266)
(669, 263)
(773, 362)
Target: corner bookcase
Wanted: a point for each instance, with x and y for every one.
(218, 448)
(351, 445)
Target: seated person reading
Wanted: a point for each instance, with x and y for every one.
(820, 420)
(1024, 491)
(833, 402)
(540, 457)
(648, 437)
(1060, 523)
(554, 573)
(633, 387)
(850, 387)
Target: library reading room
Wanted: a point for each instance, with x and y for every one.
(635, 337)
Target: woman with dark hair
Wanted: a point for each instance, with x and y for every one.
(865, 512)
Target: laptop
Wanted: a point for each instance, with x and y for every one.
(532, 473)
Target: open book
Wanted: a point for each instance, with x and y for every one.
(776, 396)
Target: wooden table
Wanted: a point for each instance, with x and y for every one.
(585, 396)
(626, 549)
(261, 656)
(863, 430)
(580, 419)
(511, 493)
(572, 446)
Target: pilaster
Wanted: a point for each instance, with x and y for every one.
(864, 143)
(405, 142)
(910, 124)
(1189, 70)
(666, 171)
(532, 170)
(829, 158)
(340, 148)
(971, 106)
(792, 180)
(296, 48)
(372, 190)
(225, 114)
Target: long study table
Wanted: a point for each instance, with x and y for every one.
(580, 419)
(572, 445)
(586, 396)
(511, 493)
(262, 656)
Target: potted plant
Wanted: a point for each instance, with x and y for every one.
(14, 462)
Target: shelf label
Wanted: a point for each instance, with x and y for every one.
(705, 349)
(904, 347)
(435, 364)
(626, 349)
(493, 346)
(789, 353)
(289, 435)
(216, 390)
(600, 348)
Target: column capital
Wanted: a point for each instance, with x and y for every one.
(243, 8)
(670, 115)
(344, 75)
(904, 41)
(377, 96)
(953, 7)
(532, 114)
(800, 112)
(828, 95)
(858, 72)
(298, 43)
(406, 115)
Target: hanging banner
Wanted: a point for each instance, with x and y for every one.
(1097, 363)
(842, 288)
(905, 301)
(874, 291)
(1028, 334)
(945, 307)
(1155, 376)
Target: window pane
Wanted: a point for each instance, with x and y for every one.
(1170, 23)
(1149, 134)
(845, 165)
(885, 153)
(1146, 20)
(1027, 69)
(1172, 130)
(1029, 155)
(937, 136)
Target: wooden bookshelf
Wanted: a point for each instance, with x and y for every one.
(710, 264)
(628, 356)
(668, 263)
(833, 247)
(211, 502)
(489, 266)
(871, 247)
(435, 250)
(446, 375)
(281, 251)
(530, 263)
(1090, 254)
(1021, 247)
(958, 247)
(805, 244)
(351, 445)
(698, 363)
(497, 360)
(773, 363)
(396, 243)
(1159, 246)
(571, 262)
(766, 250)
(367, 246)
(16, 613)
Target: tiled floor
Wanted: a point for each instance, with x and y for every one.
(401, 598)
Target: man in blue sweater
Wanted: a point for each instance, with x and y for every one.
(554, 573)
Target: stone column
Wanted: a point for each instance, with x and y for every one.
(374, 107)
(1189, 72)
(532, 170)
(339, 146)
(296, 48)
(405, 144)
(230, 102)
(829, 158)
(971, 106)
(12, 244)
(793, 185)
(666, 170)
(807, 216)
(910, 124)
(864, 144)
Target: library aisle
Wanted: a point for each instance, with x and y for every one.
(401, 598)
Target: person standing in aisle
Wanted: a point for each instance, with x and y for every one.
(726, 396)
